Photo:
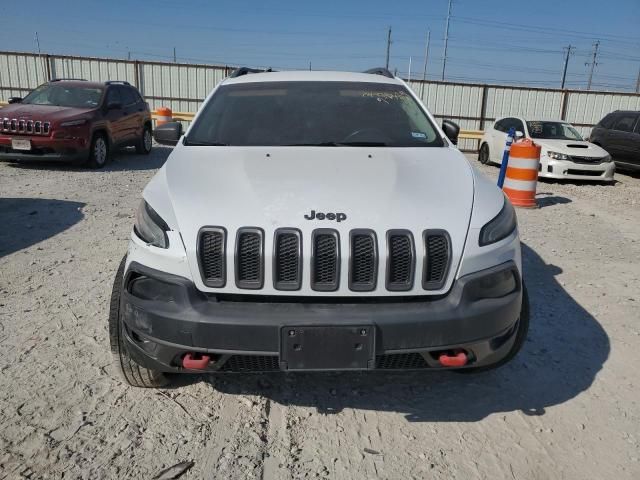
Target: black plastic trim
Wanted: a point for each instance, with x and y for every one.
(400, 287)
(287, 286)
(325, 287)
(250, 284)
(369, 286)
(435, 232)
(222, 281)
(380, 71)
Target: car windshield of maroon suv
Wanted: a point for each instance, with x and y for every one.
(64, 96)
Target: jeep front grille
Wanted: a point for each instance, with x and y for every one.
(24, 127)
(325, 260)
(287, 261)
(249, 258)
(363, 261)
(288, 258)
(400, 260)
(437, 247)
(211, 256)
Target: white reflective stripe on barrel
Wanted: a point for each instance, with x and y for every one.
(524, 185)
(530, 163)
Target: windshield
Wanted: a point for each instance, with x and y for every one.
(313, 114)
(553, 131)
(64, 96)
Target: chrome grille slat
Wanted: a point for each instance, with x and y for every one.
(24, 127)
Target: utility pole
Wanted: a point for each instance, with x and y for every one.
(174, 55)
(309, 65)
(569, 50)
(446, 41)
(388, 47)
(426, 59)
(593, 63)
(40, 55)
(638, 82)
(409, 75)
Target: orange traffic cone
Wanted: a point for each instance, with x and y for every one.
(521, 179)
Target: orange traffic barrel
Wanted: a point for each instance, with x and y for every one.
(521, 178)
(163, 115)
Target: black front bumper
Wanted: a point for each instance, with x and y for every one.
(243, 334)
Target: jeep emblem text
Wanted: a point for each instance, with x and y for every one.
(339, 217)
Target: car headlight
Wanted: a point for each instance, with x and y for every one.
(606, 159)
(74, 123)
(501, 226)
(557, 156)
(150, 227)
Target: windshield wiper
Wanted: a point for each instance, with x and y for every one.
(362, 144)
(321, 144)
(189, 143)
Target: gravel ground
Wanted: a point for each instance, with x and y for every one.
(566, 407)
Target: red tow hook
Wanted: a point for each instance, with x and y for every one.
(191, 362)
(457, 360)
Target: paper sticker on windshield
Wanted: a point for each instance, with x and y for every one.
(418, 135)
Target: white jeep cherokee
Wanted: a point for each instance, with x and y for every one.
(317, 221)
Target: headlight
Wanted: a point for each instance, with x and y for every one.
(557, 156)
(150, 227)
(501, 226)
(606, 159)
(74, 123)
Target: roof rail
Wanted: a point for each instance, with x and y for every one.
(68, 80)
(118, 82)
(379, 71)
(238, 72)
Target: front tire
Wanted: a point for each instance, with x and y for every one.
(132, 373)
(99, 151)
(483, 156)
(143, 147)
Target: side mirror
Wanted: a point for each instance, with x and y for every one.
(519, 134)
(114, 106)
(451, 130)
(15, 99)
(168, 133)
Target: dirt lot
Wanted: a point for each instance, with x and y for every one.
(566, 408)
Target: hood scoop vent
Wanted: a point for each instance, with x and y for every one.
(577, 146)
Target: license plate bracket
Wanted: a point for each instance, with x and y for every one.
(327, 347)
(21, 144)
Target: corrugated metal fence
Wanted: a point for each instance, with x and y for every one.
(182, 87)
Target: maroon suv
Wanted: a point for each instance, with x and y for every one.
(75, 120)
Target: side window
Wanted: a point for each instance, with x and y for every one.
(136, 94)
(113, 96)
(508, 123)
(500, 125)
(128, 97)
(625, 122)
(638, 127)
(607, 121)
(518, 125)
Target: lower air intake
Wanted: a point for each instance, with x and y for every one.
(401, 361)
(251, 363)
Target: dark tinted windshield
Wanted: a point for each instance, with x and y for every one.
(64, 96)
(553, 131)
(313, 113)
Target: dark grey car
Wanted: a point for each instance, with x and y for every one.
(619, 134)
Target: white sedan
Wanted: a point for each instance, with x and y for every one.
(565, 154)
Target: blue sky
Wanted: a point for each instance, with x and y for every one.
(489, 41)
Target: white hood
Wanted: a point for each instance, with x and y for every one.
(571, 147)
(273, 187)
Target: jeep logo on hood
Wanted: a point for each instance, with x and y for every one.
(338, 217)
